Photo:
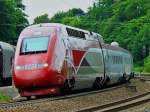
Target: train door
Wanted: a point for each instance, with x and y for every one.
(111, 66)
(119, 68)
(7, 66)
(125, 64)
(122, 64)
(68, 59)
(78, 62)
(126, 67)
(107, 64)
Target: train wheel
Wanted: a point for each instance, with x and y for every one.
(66, 88)
(107, 82)
(72, 82)
(7, 81)
(123, 79)
(97, 84)
(38, 97)
(1, 82)
(28, 97)
(131, 76)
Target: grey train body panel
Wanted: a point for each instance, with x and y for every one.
(7, 51)
(103, 62)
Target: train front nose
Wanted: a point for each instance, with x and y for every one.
(25, 77)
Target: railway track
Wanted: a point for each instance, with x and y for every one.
(35, 101)
(143, 74)
(143, 78)
(24, 103)
(121, 104)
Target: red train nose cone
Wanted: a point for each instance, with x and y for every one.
(36, 78)
(30, 78)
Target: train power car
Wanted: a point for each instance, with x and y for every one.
(53, 58)
(7, 52)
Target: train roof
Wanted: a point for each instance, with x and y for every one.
(55, 25)
(115, 48)
(78, 29)
(64, 27)
(6, 46)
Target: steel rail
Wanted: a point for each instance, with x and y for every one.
(143, 74)
(143, 78)
(35, 101)
(120, 105)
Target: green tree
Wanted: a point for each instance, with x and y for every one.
(20, 17)
(58, 18)
(7, 28)
(72, 21)
(124, 21)
(42, 19)
(12, 20)
(147, 65)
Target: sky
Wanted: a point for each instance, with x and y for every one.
(36, 8)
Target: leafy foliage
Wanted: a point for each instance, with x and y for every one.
(42, 19)
(125, 21)
(60, 17)
(147, 65)
(12, 19)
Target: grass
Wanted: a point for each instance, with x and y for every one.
(145, 74)
(4, 98)
(138, 69)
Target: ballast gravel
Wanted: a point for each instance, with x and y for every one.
(141, 108)
(77, 103)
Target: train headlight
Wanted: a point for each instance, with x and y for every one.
(31, 66)
(19, 68)
(42, 65)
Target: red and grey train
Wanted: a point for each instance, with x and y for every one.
(53, 58)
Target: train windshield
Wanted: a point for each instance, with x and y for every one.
(34, 45)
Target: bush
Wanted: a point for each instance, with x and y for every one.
(147, 64)
(138, 69)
